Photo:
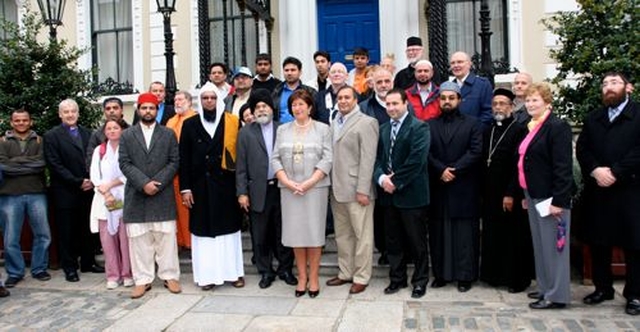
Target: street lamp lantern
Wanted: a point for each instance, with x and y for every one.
(52, 11)
(166, 7)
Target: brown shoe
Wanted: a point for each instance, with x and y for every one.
(335, 281)
(4, 292)
(139, 290)
(173, 286)
(357, 288)
(238, 283)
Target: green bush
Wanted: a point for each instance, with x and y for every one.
(602, 36)
(38, 75)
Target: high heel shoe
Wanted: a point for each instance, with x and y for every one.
(300, 293)
(314, 294)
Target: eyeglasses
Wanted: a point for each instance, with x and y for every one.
(209, 98)
(612, 82)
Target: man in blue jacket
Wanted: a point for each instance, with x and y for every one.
(476, 91)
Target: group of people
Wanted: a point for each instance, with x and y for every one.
(477, 181)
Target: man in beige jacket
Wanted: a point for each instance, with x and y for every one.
(355, 139)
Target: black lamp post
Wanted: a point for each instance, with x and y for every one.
(436, 12)
(166, 7)
(52, 14)
(485, 41)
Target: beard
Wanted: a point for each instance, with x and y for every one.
(614, 98)
(147, 119)
(264, 119)
(499, 116)
(209, 115)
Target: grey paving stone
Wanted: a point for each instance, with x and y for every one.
(438, 322)
(372, 316)
(538, 325)
(410, 324)
(246, 305)
(290, 324)
(210, 322)
(470, 324)
(572, 325)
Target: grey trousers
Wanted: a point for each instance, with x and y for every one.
(553, 271)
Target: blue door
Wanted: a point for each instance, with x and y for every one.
(346, 24)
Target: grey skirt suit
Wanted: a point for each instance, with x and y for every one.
(303, 216)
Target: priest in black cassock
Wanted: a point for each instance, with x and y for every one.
(507, 253)
(455, 176)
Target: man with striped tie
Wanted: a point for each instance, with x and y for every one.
(401, 174)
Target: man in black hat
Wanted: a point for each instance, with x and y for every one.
(507, 252)
(406, 78)
(258, 193)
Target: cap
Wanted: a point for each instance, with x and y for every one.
(414, 41)
(504, 92)
(450, 86)
(242, 71)
(147, 97)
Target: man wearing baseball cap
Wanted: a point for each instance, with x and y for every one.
(242, 82)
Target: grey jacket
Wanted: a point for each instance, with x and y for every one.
(141, 165)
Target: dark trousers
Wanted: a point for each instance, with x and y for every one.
(378, 228)
(74, 238)
(603, 277)
(266, 230)
(407, 228)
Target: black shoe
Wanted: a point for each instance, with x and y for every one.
(464, 286)
(394, 287)
(12, 282)
(597, 297)
(438, 283)
(266, 281)
(71, 276)
(418, 291)
(633, 307)
(517, 289)
(546, 304)
(4, 292)
(42, 276)
(288, 278)
(383, 260)
(300, 293)
(534, 295)
(95, 268)
(314, 294)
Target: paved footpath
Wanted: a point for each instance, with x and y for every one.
(88, 306)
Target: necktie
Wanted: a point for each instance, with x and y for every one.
(340, 119)
(394, 131)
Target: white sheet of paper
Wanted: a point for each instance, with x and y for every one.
(544, 207)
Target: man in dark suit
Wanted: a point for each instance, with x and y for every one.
(165, 112)
(149, 160)
(454, 166)
(608, 151)
(476, 91)
(258, 192)
(72, 191)
(401, 172)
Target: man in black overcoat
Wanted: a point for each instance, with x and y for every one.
(507, 252)
(608, 151)
(454, 168)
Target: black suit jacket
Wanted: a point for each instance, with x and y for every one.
(612, 214)
(252, 164)
(548, 163)
(65, 158)
(456, 143)
(169, 112)
(409, 161)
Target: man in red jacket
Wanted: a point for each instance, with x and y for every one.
(423, 95)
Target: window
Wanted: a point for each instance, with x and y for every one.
(8, 12)
(112, 40)
(463, 26)
(229, 51)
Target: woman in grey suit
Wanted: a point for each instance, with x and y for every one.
(301, 162)
(545, 173)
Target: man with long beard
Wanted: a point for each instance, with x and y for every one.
(454, 166)
(208, 187)
(608, 151)
(258, 193)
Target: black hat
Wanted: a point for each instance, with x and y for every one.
(414, 41)
(260, 95)
(504, 92)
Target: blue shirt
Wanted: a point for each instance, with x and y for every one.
(285, 116)
(160, 113)
(615, 111)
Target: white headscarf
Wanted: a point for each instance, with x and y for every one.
(210, 127)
